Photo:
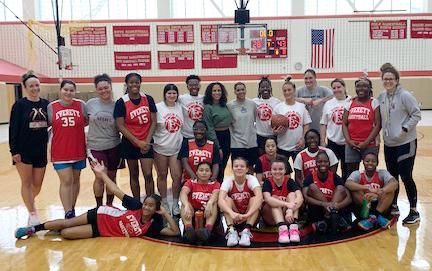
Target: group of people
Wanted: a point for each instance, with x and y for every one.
(192, 136)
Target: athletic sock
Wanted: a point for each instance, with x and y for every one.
(40, 227)
(99, 201)
(282, 227)
(209, 227)
(280, 224)
(248, 226)
(230, 227)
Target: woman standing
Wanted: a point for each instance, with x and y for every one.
(103, 138)
(135, 115)
(291, 140)
(361, 124)
(400, 114)
(68, 118)
(218, 119)
(265, 105)
(331, 123)
(242, 128)
(192, 104)
(28, 139)
(167, 142)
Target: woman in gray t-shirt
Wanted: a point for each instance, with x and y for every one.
(103, 139)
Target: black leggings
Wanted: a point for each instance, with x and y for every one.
(224, 139)
(400, 162)
(339, 151)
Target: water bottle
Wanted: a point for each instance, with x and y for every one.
(365, 206)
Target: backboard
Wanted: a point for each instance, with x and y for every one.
(242, 39)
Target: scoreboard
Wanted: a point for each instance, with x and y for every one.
(277, 44)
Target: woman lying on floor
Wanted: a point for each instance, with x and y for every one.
(140, 219)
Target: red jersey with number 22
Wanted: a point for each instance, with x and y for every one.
(68, 122)
(138, 117)
(198, 154)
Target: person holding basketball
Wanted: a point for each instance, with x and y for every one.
(167, 142)
(199, 197)
(139, 219)
(192, 104)
(265, 104)
(199, 149)
(240, 199)
(28, 138)
(103, 138)
(361, 124)
(263, 164)
(373, 185)
(283, 199)
(326, 197)
(68, 117)
(135, 115)
(290, 139)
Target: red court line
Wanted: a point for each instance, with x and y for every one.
(272, 248)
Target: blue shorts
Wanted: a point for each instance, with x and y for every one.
(75, 165)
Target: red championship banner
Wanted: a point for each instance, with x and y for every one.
(277, 44)
(211, 60)
(132, 60)
(131, 34)
(209, 33)
(421, 29)
(89, 35)
(169, 60)
(175, 34)
(388, 30)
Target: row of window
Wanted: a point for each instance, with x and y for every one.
(148, 9)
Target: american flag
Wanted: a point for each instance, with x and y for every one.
(322, 55)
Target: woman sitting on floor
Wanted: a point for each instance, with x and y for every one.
(283, 199)
(326, 197)
(199, 200)
(373, 185)
(140, 219)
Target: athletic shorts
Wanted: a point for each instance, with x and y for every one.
(251, 154)
(110, 158)
(37, 161)
(288, 154)
(92, 220)
(354, 156)
(81, 164)
(130, 152)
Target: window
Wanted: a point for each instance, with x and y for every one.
(15, 6)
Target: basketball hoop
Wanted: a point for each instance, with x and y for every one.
(242, 51)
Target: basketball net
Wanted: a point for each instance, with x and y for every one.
(242, 51)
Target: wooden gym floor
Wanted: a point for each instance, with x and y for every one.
(399, 248)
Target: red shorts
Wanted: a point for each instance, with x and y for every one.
(110, 158)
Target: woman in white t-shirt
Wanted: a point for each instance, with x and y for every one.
(331, 123)
(240, 199)
(291, 139)
(167, 142)
(265, 105)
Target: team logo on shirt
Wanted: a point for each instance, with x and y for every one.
(172, 122)
(359, 113)
(38, 119)
(293, 120)
(264, 112)
(337, 115)
(373, 185)
(195, 111)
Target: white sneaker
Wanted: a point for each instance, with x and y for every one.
(33, 219)
(232, 238)
(245, 237)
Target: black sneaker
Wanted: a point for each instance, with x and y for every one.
(412, 218)
(202, 235)
(394, 210)
(189, 235)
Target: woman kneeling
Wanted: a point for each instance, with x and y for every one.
(199, 199)
(140, 219)
(283, 199)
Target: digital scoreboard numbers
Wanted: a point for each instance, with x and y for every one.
(277, 44)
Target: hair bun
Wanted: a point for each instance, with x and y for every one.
(288, 78)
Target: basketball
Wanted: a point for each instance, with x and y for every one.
(279, 120)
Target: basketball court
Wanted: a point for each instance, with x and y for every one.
(167, 42)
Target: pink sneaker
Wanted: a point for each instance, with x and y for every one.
(294, 233)
(284, 237)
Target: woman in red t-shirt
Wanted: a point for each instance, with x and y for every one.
(199, 197)
(140, 219)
